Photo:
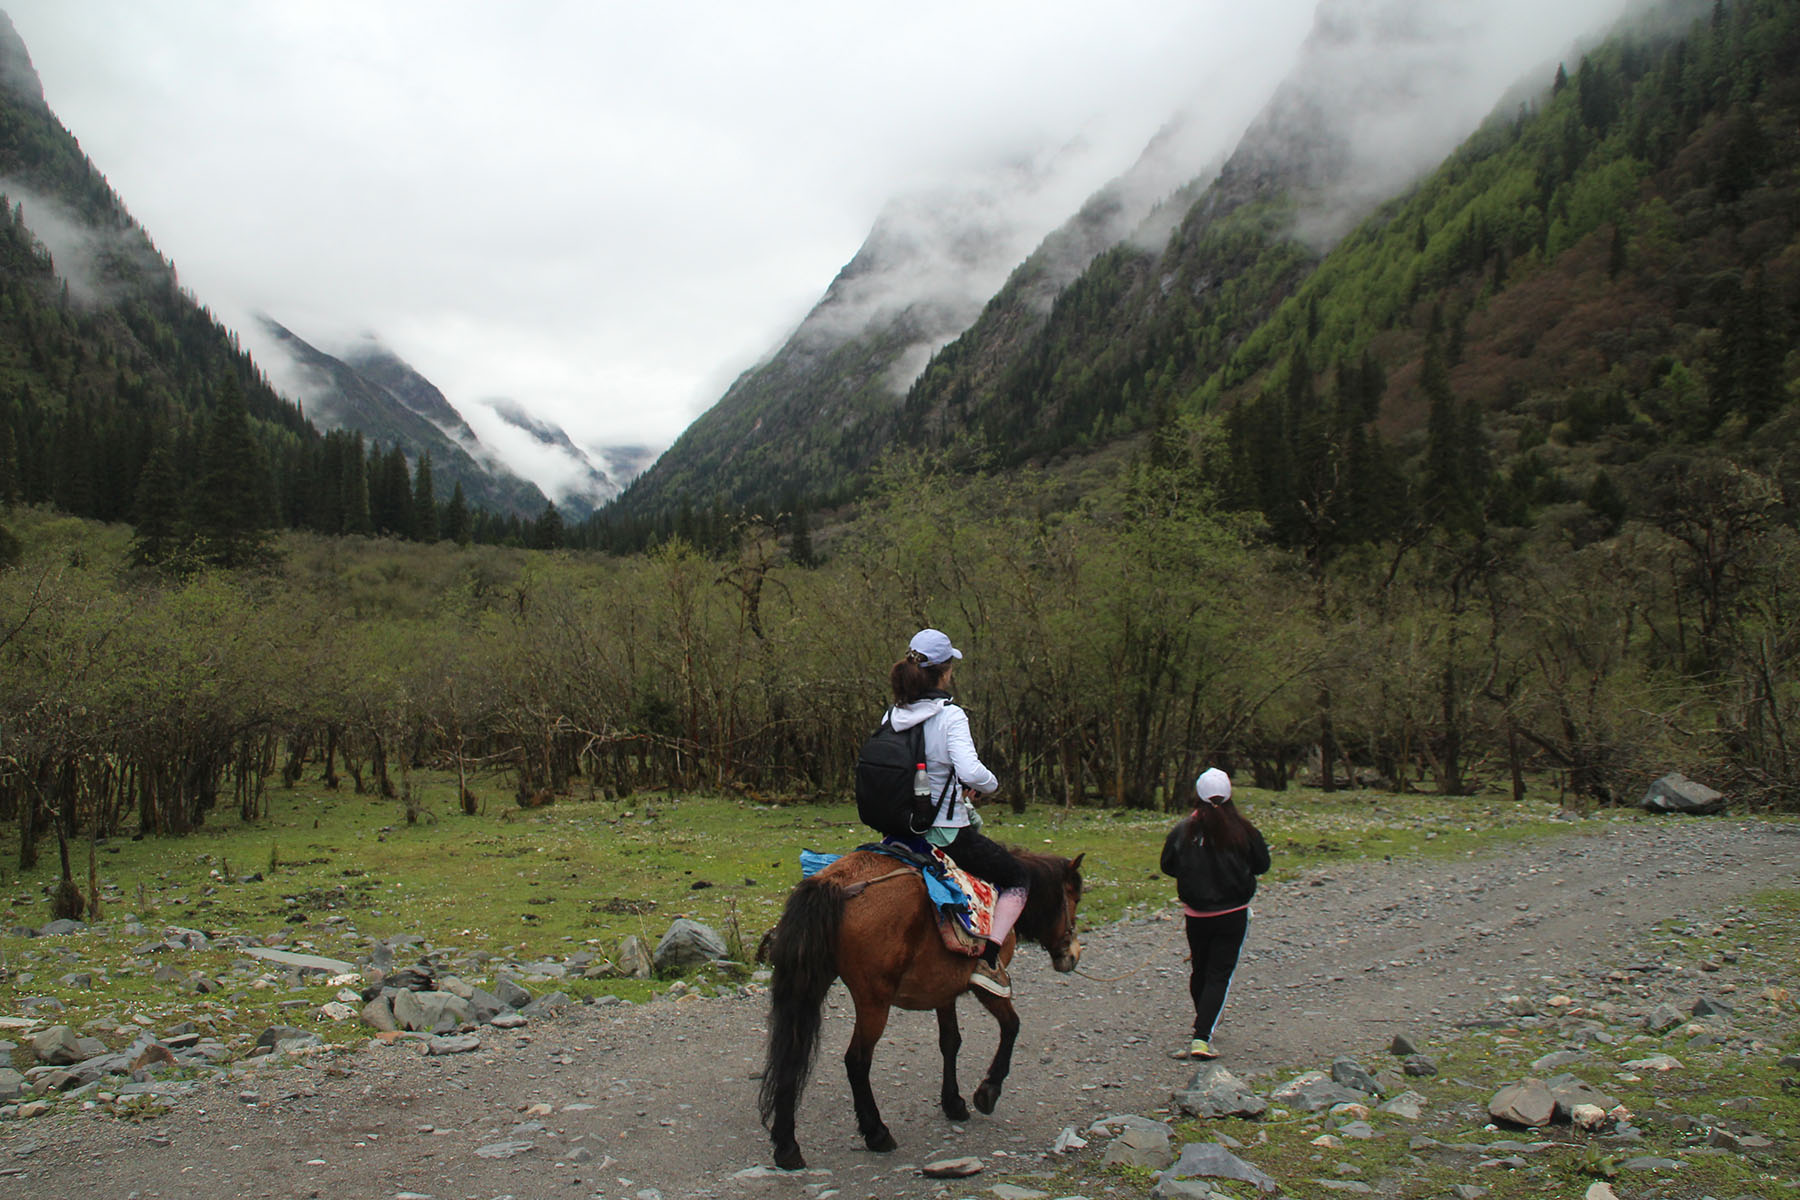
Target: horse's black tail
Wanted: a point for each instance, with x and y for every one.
(803, 954)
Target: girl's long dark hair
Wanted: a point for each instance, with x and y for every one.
(912, 679)
(1221, 825)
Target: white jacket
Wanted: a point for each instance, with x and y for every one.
(949, 753)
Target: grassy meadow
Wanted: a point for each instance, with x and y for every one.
(328, 872)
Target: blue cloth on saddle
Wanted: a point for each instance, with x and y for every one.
(944, 892)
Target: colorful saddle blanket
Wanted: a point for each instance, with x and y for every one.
(965, 903)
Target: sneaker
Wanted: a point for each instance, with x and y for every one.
(991, 979)
(1201, 1048)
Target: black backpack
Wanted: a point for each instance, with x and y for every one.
(884, 782)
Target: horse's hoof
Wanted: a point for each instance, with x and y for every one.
(790, 1159)
(881, 1141)
(955, 1109)
(986, 1097)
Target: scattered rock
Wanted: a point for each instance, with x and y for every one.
(1208, 1160)
(1313, 1090)
(1141, 1148)
(1527, 1102)
(1350, 1073)
(1418, 1066)
(952, 1168)
(57, 1046)
(510, 992)
(1215, 1092)
(1654, 1062)
(688, 944)
(1408, 1106)
(453, 1044)
(1400, 1047)
(505, 1149)
(634, 960)
(431, 1012)
(1676, 793)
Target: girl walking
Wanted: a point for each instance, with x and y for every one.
(1215, 855)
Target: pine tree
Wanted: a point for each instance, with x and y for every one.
(800, 538)
(547, 530)
(424, 503)
(456, 522)
(230, 514)
(157, 512)
(9, 467)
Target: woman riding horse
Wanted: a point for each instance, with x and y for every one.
(921, 686)
(873, 926)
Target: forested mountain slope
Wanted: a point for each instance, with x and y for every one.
(108, 366)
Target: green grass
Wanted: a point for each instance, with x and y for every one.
(332, 871)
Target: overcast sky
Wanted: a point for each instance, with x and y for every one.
(605, 211)
(602, 210)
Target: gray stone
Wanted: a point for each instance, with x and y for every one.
(509, 992)
(1527, 1102)
(1467, 1191)
(547, 1005)
(1314, 1090)
(379, 1012)
(952, 1168)
(1356, 1131)
(485, 1005)
(1418, 1066)
(60, 927)
(1140, 1148)
(1184, 1189)
(1208, 1160)
(1215, 1092)
(431, 1012)
(1649, 1162)
(57, 1046)
(1007, 1191)
(1408, 1106)
(1400, 1047)
(1351, 1074)
(1664, 1017)
(300, 962)
(12, 1085)
(1570, 1090)
(506, 1149)
(1710, 1006)
(688, 944)
(1676, 793)
(299, 1044)
(276, 1034)
(634, 960)
(1559, 1058)
(1119, 1122)
(453, 1044)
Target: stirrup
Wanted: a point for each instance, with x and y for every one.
(991, 979)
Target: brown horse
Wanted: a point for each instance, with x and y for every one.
(860, 921)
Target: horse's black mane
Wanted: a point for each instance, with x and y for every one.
(1044, 906)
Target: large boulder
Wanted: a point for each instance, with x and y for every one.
(1216, 1092)
(57, 1046)
(431, 1012)
(1676, 793)
(688, 944)
(1528, 1102)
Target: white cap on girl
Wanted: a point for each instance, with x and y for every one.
(1213, 785)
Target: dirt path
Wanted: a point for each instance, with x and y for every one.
(658, 1100)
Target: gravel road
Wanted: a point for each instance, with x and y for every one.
(617, 1101)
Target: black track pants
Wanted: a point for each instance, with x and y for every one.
(1214, 943)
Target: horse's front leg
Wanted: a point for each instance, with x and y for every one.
(988, 1094)
(949, 1042)
(871, 1020)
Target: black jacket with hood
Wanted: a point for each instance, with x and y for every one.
(1210, 878)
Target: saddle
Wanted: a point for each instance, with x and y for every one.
(964, 902)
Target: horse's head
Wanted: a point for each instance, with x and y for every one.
(1064, 946)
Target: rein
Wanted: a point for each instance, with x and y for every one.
(854, 888)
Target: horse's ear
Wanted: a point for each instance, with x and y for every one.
(1075, 864)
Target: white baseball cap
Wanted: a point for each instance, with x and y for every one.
(933, 647)
(1213, 785)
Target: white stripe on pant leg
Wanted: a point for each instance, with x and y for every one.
(1226, 998)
